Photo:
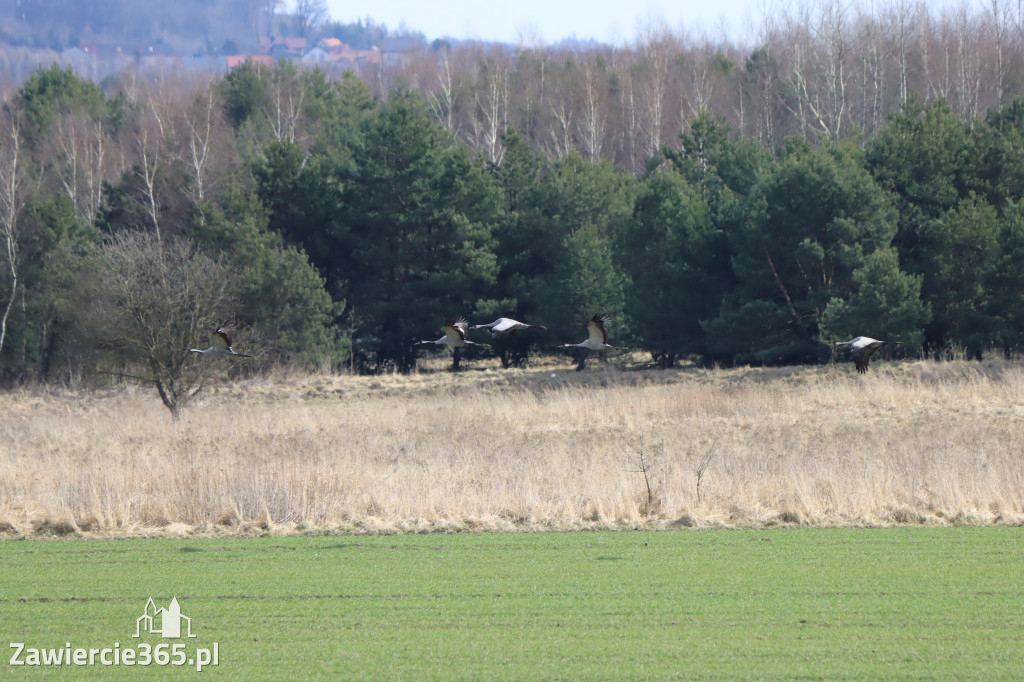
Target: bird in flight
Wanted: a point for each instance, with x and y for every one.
(597, 338)
(221, 343)
(454, 334)
(503, 326)
(861, 350)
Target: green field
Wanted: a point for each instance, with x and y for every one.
(772, 603)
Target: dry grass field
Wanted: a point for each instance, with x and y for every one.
(544, 448)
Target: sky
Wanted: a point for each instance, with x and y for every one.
(549, 21)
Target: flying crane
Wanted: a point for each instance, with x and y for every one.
(597, 329)
(861, 350)
(221, 343)
(454, 334)
(503, 326)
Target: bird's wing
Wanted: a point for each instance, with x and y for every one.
(450, 330)
(598, 328)
(222, 337)
(861, 363)
(503, 327)
(862, 355)
(455, 331)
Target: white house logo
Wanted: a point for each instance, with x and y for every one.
(166, 622)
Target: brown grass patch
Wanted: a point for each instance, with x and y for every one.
(909, 443)
(48, 526)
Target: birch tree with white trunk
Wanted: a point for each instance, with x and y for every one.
(12, 178)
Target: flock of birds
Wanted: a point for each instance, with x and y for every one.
(457, 331)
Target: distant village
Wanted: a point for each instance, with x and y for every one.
(97, 62)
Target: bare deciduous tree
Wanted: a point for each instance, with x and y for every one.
(595, 108)
(532, 67)
(266, 16)
(657, 50)
(11, 201)
(632, 134)
(999, 16)
(762, 72)
(156, 298)
(561, 131)
(640, 460)
(287, 92)
(200, 127)
(310, 14)
(701, 81)
(82, 146)
(491, 106)
(443, 103)
(969, 68)
(149, 148)
(700, 467)
(206, 149)
(936, 58)
(819, 73)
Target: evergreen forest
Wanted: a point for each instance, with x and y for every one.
(338, 224)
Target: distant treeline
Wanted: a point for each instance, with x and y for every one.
(184, 27)
(337, 229)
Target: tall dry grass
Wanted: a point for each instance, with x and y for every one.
(908, 443)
